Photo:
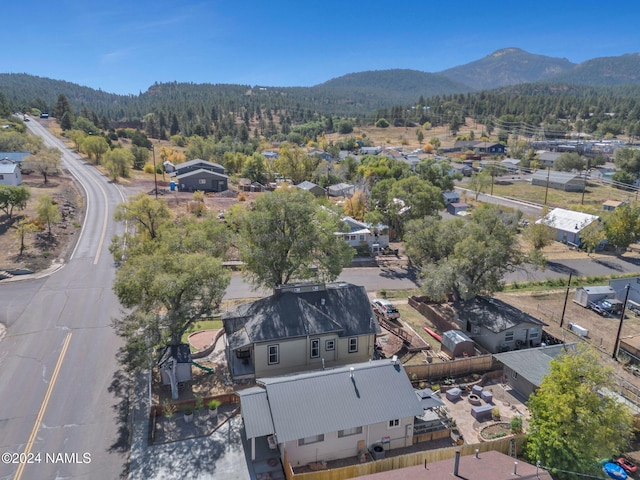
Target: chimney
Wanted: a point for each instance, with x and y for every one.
(456, 463)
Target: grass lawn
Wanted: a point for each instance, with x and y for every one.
(594, 196)
(212, 324)
(417, 321)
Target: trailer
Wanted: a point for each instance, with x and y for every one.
(586, 296)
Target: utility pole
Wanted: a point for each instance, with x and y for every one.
(624, 306)
(155, 172)
(546, 192)
(566, 297)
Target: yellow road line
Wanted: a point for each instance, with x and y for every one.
(43, 407)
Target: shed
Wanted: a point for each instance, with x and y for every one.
(611, 205)
(181, 355)
(451, 197)
(456, 344)
(457, 207)
(585, 296)
(567, 181)
(311, 187)
(10, 173)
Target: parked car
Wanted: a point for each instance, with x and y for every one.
(606, 307)
(627, 465)
(385, 308)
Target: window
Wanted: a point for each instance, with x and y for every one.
(349, 432)
(362, 238)
(309, 440)
(329, 345)
(202, 181)
(353, 345)
(315, 348)
(274, 354)
(514, 374)
(1, 177)
(508, 337)
(534, 333)
(394, 423)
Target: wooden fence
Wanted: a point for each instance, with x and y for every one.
(451, 369)
(430, 314)
(502, 445)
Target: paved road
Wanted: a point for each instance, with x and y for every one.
(58, 357)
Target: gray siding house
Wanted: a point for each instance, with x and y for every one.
(524, 369)
(497, 326)
(10, 173)
(332, 414)
(568, 224)
(201, 175)
(567, 181)
(300, 327)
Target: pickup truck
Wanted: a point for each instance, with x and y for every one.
(606, 307)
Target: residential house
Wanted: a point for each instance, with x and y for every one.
(523, 370)
(15, 156)
(511, 165)
(357, 233)
(316, 152)
(311, 187)
(332, 414)
(451, 197)
(497, 326)
(568, 224)
(202, 180)
(370, 150)
(198, 174)
(567, 181)
(464, 145)
(547, 159)
(10, 173)
(465, 170)
(341, 190)
(490, 465)
(300, 327)
(490, 148)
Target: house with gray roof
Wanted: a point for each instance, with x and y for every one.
(300, 327)
(334, 413)
(14, 156)
(356, 234)
(10, 173)
(566, 181)
(311, 187)
(497, 326)
(198, 174)
(197, 164)
(524, 369)
(341, 190)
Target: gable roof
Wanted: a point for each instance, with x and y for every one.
(567, 220)
(340, 308)
(532, 363)
(200, 172)
(199, 161)
(493, 314)
(324, 401)
(555, 177)
(8, 168)
(256, 412)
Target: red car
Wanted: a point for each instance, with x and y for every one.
(627, 465)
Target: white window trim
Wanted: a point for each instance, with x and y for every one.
(277, 354)
(395, 423)
(507, 335)
(329, 345)
(316, 342)
(353, 340)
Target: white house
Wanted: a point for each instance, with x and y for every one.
(357, 233)
(331, 414)
(568, 224)
(10, 173)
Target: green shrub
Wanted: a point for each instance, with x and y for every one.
(516, 425)
(168, 409)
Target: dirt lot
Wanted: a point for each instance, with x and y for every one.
(41, 249)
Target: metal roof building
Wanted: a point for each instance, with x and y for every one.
(568, 224)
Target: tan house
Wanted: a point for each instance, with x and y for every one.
(332, 414)
(300, 327)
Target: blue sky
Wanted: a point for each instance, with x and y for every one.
(125, 46)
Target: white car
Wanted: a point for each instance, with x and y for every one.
(385, 308)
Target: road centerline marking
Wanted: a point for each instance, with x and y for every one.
(43, 406)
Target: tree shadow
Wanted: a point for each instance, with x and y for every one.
(561, 268)
(122, 387)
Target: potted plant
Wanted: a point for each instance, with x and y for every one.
(213, 407)
(188, 413)
(495, 413)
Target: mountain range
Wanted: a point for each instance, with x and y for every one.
(351, 94)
